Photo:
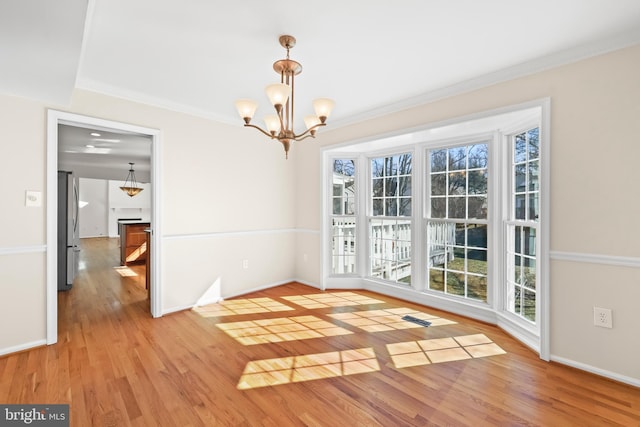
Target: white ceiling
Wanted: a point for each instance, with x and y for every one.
(370, 56)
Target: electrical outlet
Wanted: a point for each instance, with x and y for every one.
(602, 317)
(245, 264)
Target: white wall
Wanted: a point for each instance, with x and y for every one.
(215, 212)
(229, 195)
(93, 215)
(595, 111)
(122, 206)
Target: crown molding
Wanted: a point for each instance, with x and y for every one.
(564, 57)
(523, 69)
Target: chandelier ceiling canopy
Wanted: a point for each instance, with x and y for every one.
(280, 126)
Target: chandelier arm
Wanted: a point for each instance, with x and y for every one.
(312, 128)
(260, 129)
(301, 137)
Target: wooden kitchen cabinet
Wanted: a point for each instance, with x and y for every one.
(133, 242)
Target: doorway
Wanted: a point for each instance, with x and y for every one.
(56, 119)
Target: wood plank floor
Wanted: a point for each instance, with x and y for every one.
(318, 362)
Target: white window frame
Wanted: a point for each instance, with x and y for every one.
(419, 140)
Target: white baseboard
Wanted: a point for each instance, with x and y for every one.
(22, 347)
(597, 371)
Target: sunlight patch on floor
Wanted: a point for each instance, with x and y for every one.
(271, 372)
(387, 319)
(242, 306)
(331, 299)
(439, 350)
(281, 329)
(125, 271)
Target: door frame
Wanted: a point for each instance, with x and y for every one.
(54, 118)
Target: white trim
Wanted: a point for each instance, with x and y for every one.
(614, 260)
(460, 307)
(55, 117)
(153, 101)
(596, 371)
(516, 329)
(23, 250)
(215, 235)
(22, 347)
(538, 65)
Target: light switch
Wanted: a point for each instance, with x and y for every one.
(33, 199)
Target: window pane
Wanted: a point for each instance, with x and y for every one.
(378, 187)
(377, 167)
(520, 149)
(438, 207)
(405, 186)
(517, 306)
(477, 236)
(438, 160)
(337, 206)
(461, 235)
(477, 287)
(455, 283)
(391, 249)
(534, 184)
(520, 207)
(534, 144)
(529, 273)
(478, 155)
(521, 178)
(534, 210)
(529, 306)
(457, 183)
(436, 280)
(377, 207)
(457, 158)
(404, 166)
(391, 207)
(343, 245)
(478, 182)
(477, 261)
(438, 184)
(391, 185)
(405, 207)
(457, 207)
(529, 239)
(477, 207)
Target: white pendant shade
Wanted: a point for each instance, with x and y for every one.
(246, 108)
(323, 107)
(278, 93)
(273, 123)
(311, 121)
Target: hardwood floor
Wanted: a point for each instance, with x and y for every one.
(292, 362)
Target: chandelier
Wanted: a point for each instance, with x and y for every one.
(280, 125)
(130, 185)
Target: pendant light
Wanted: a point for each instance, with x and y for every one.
(130, 185)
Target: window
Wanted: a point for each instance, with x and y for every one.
(454, 215)
(457, 221)
(343, 210)
(390, 218)
(522, 225)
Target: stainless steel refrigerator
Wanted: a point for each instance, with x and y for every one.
(68, 229)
